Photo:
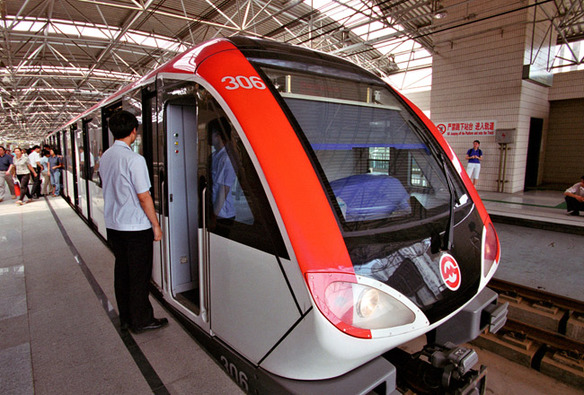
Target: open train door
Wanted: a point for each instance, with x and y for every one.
(186, 275)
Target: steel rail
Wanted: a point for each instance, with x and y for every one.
(537, 295)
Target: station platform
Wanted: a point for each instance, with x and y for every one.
(540, 244)
(59, 330)
(543, 209)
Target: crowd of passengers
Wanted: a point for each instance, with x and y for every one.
(31, 173)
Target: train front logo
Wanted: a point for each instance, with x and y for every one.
(450, 272)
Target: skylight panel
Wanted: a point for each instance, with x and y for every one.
(83, 30)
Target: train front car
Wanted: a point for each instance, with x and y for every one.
(391, 239)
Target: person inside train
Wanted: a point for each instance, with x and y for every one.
(575, 198)
(87, 172)
(222, 172)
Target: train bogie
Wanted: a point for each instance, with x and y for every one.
(313, 218)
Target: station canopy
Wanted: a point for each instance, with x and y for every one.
(60, 57)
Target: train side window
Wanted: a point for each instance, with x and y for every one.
(237, 207)
(94, 128)
(69, 136)
(80, 154)
(133, 103)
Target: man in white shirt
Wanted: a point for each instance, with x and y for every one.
(35, 161)
(131, 223)
(575, 198)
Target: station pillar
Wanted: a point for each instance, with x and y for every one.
(491, 70)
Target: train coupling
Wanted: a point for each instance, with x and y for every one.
(439, 369)
(483, 313)
(455, 362)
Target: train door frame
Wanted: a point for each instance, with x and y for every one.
(182, 205)
(152, 154)
(228, 287)
(76, 144)
(64, 175)
(86, 164)
(58, 146)
(73, 144)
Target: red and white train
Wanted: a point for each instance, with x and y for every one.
(314, 219)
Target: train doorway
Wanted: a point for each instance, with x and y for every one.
(183, 206)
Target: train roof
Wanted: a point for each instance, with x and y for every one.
(263, 51)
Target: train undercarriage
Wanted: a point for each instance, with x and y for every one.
(440, 367)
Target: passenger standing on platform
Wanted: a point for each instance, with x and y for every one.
(575, 198)
(6, 168)
(23, 171)
(35, 161)
(131, 223)
(46, 178)
(474, 157)
(55, 166)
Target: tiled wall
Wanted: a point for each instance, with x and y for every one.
(477, 75)
(567, 86)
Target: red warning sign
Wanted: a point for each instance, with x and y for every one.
(468, 128)
(450, 272)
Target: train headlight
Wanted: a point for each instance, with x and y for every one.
(368, 303)
(374, 309)
(491, 251)
(355, 308)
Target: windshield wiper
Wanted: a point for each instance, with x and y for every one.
(449, 233)
(447, 242)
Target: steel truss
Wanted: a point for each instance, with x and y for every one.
(59, 57)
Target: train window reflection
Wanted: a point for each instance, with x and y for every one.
(95, 140)
(227, 200)
(237, 206)
(133, 104)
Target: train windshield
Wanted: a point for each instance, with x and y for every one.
(378, 163)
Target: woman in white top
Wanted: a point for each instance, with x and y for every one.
(23, 172)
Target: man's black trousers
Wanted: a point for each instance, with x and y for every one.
(36, 183)
(133, 270)
(573, 204)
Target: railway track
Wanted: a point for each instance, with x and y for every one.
(543, 331)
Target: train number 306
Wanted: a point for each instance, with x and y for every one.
(243, 82)
(239, 376)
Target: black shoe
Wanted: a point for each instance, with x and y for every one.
(575, 213)
(124, 326)
(156, 323)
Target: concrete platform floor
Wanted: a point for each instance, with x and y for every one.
(549, 259)
(546, 207)
(540, 259)
(57, 335)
